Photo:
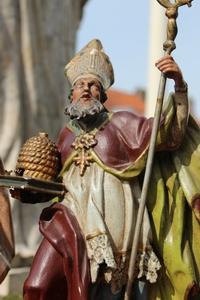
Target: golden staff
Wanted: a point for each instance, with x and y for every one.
(168, 46)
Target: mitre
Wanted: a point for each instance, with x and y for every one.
(91, 61)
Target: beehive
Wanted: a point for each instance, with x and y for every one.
(38, 158)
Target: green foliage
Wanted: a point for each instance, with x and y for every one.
(12, 297)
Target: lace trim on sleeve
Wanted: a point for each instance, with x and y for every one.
(99, 251)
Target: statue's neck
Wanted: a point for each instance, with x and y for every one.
(90, 122)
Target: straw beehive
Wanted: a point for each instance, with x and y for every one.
(38, 158)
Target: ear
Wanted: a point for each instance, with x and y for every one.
(70, 95)
(103, 96)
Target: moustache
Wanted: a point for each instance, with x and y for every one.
(78, 110)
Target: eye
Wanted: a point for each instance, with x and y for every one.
(95, 84)
(79, 85)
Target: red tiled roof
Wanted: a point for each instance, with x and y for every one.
(118, 100)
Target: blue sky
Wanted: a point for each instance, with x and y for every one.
(122, 27)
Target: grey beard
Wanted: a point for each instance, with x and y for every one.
(78, 111)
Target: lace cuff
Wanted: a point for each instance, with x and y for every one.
(116, 271)
(99, 251)
(148, 265)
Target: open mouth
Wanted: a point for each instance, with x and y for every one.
(85, 96)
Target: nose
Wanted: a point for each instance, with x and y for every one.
(86, 86)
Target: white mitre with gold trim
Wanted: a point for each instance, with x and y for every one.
(91, 61)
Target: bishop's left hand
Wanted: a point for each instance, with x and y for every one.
(170, 68)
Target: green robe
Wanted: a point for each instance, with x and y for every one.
(175, 183)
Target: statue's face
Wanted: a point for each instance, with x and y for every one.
(86, 99)
(85, 89)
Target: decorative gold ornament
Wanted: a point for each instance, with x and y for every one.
(83, 143)
(172, 14)
(38, 158)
